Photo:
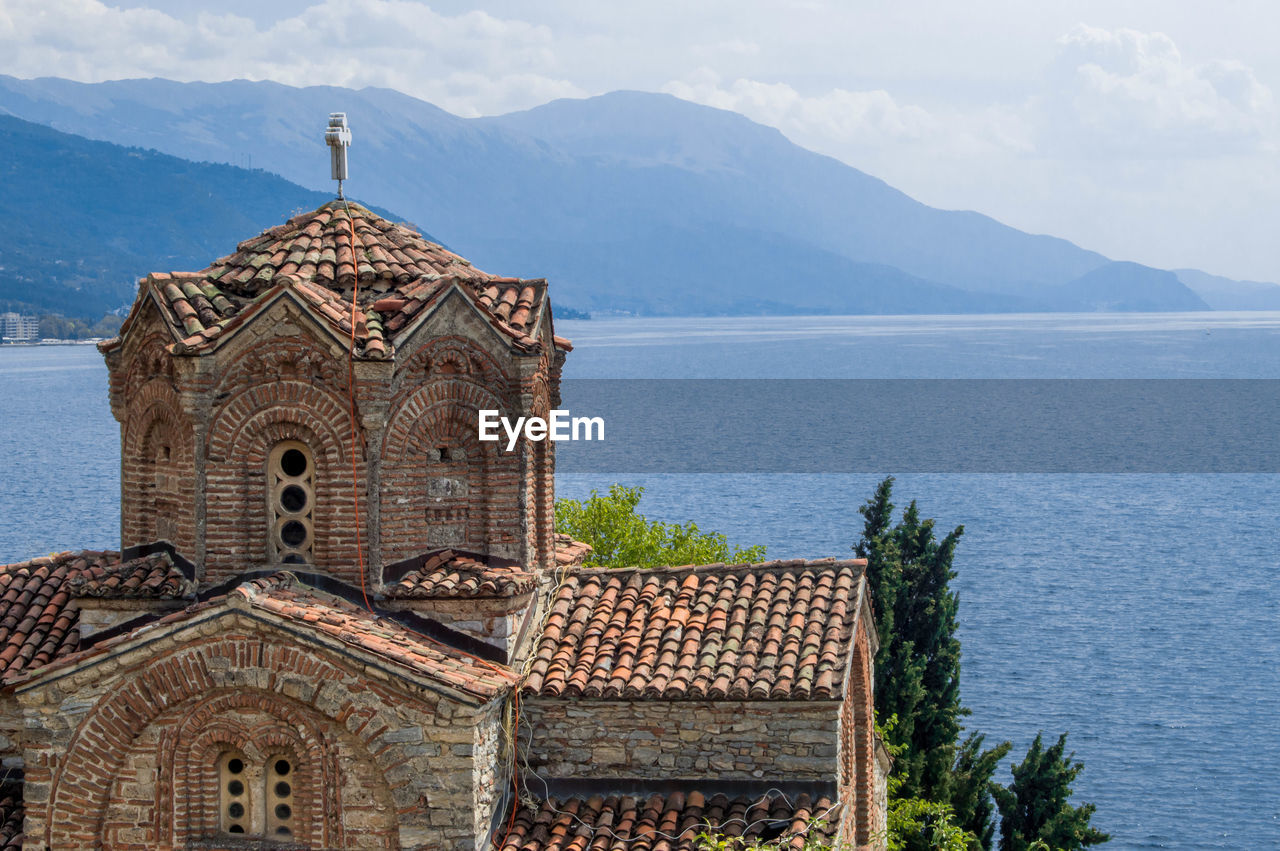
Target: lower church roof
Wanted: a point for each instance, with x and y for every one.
(450, 574)
(11, 813)
(38, 624)
(666, 822)
(779, 630)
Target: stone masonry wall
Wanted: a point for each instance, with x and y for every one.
(126, 747)
(654, 739)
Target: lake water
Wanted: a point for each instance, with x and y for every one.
(1139, 612)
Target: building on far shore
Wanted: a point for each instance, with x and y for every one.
(17, 328)
(339, 620)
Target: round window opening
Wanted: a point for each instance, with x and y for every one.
(283, 789)
(282, 767)
(293, 463)
(283, 811)
(293, 533)
(293, 498)
(236, 810)
(235, 766)
(235, 787)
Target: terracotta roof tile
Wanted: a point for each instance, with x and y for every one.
(398, 272)
(448, 574)
(570, 552)
(778, 630)
(666, 823)
(38, 624)
(11, 814)
(284, 596)
(148, 577)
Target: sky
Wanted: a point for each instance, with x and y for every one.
(1143, 129)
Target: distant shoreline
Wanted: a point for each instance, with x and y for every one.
(91, 342)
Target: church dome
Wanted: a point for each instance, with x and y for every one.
(333, 256)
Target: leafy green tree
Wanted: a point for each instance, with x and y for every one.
(915, 824)
(1035, 807)
(917, 674)
(57, 327)
(919, 825)
(620, 536)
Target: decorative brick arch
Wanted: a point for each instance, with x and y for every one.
(158, 469)
(479, 365)
(298, 357)
(186, 680)
(241, 436)
(146, 358)
(208, 729)
(466, 496)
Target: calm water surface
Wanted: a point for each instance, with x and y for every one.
(1139, 612)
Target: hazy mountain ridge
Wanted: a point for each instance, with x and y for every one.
(1227, 294)
(628, 201)
(88, 218)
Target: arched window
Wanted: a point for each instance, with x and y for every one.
(256, 800)
(291, 497)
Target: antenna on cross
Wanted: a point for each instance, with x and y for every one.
(338, 138)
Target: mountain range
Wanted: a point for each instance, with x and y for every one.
(629, 202)
(86, 219)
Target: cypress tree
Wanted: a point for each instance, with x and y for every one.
(918, 665)
(1035, 806)
(970, 789)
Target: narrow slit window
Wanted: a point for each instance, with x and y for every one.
(291, 499)
(279, 797)
(235, 814)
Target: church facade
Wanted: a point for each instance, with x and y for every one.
(340, 620)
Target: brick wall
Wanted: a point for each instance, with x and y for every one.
(196, 433)
(440, 486)
(736, 740)
(859, 783)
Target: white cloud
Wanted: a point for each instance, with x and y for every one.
(1124, 92)
(868, 129)
(866, 117)
(471, 63)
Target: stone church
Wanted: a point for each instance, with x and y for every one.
(339, 620)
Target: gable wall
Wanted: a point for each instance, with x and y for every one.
(124, 749)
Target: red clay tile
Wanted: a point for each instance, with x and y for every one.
(674, 821)
(315, 253)
(778, 630)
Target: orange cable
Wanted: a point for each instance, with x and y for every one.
(351, 403)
